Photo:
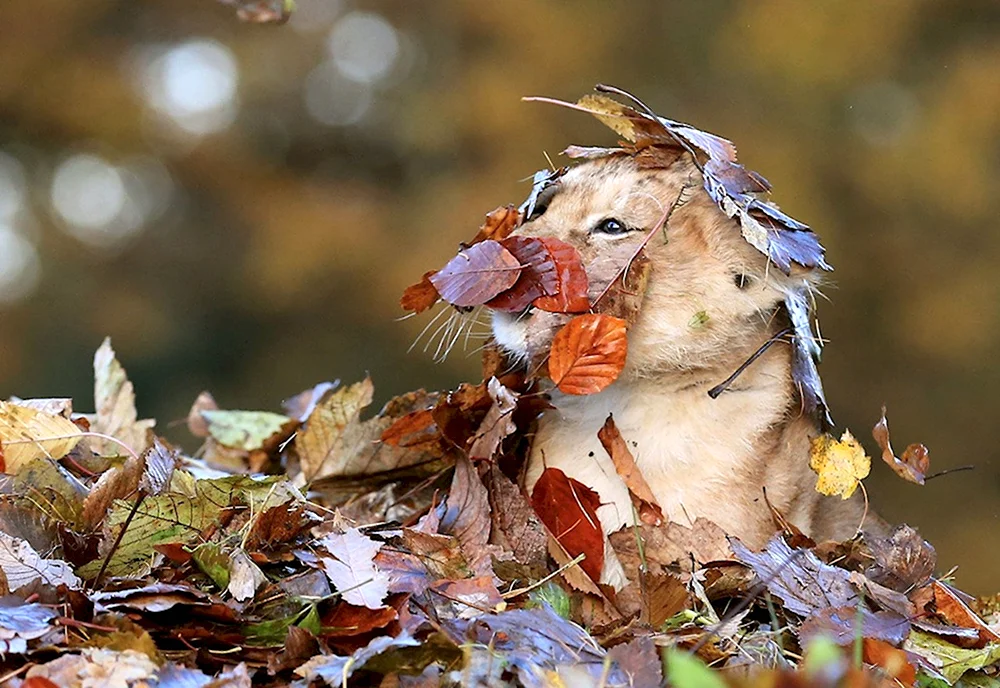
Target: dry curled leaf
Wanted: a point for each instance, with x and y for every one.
(642, 496)
(841, 464)
(114, 399)
(588, 353)
(476, 274)
(499, 224)
(497, 424)
(568, 508)
(914, 463)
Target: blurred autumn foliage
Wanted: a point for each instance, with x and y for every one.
(239, 206)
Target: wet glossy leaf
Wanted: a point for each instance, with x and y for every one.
(588, 353)
(477, 274)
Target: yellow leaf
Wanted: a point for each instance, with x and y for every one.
(840, 464)
(611, 113)
(27, 434)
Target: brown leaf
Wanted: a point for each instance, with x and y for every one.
(516, 526)
(588, 353)
(159, 462)
(902, 561)
(642, 496)
(568, 508)
(497, 424)
(114, 399)
(412, 429)
(116, 483)
(476, 274)
(347, 620)
(467, 516)
(301, 406)
(624, 298)
(196, 423)
(840, 624)
(420, 296)
(277, 525)
(671, 546)
(640, 660)
(572, 294)
(915, 462)
(498, 225)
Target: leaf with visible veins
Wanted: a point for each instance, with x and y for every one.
(476, 274)
(588, 353)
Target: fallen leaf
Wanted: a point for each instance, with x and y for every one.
(351, 570)
(568, 508)
(915, 462)
(467, 598)
(301, 406)
(891, 660)
(245, 577)
(196, 423)
(497, 424)
(950, 660)
(572, 293)
(476, 274)
(412, 429)
(516, 526)
(642, 496)
(159, 462)
(27, 434)
(420, 296)
(22, 565)
(624, 297)
(114, 398)
(321, 442)
(840, 464)
(803, 583)
(22, 621)
(467, 511)
(901, 561)
(245, 430)
(950, 607)
(335, 669)
(499, 223)
(116, 483)
(672, 546)
(588, 353)
(640, 660)
(842, 625)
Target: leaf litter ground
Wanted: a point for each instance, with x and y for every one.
(323, 545)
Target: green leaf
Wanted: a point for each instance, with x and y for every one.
(213, 562)
(686, 671)
(556, 597)
(952, 661)
(246, 430)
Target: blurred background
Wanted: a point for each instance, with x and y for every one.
(239, 206)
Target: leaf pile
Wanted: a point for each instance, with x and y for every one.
(318, 547)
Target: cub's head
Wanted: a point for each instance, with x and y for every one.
(709, 294)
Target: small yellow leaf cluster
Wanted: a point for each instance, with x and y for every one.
(840, 464)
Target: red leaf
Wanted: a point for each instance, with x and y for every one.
(915, 462)
(477, 274)
(410, 430)
(568, 508)
(420, 296)
(540, 276)
(588, 353)
(891, 659)
(573, 290)
(499, 224)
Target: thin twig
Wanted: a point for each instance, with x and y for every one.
(724, 385)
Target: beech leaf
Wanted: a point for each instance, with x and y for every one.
(476, 274)
(568, 508)
(420, 296)
(642, 496)
(588, 353)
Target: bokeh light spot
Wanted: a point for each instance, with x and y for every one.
(12, 187)
(364, 47)
(333, 100)
(90, 195)
(20, 267)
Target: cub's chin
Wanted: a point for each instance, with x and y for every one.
(526, 337)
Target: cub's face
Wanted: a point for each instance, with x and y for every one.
(709, 292)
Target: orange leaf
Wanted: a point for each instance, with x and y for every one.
(568, 508)
(499, 224)
(588, 353)
(642, 496)
(893, 660)
(420, 296)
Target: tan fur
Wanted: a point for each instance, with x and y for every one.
(701, 456)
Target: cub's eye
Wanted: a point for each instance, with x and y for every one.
(611, 226)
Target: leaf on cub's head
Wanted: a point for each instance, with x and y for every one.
(840, 464)
(476, 274)
(568, 508)
(572, 287)
(499, 224)
(914, 463)
(588, 353)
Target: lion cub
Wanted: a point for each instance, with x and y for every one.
(711, 302)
